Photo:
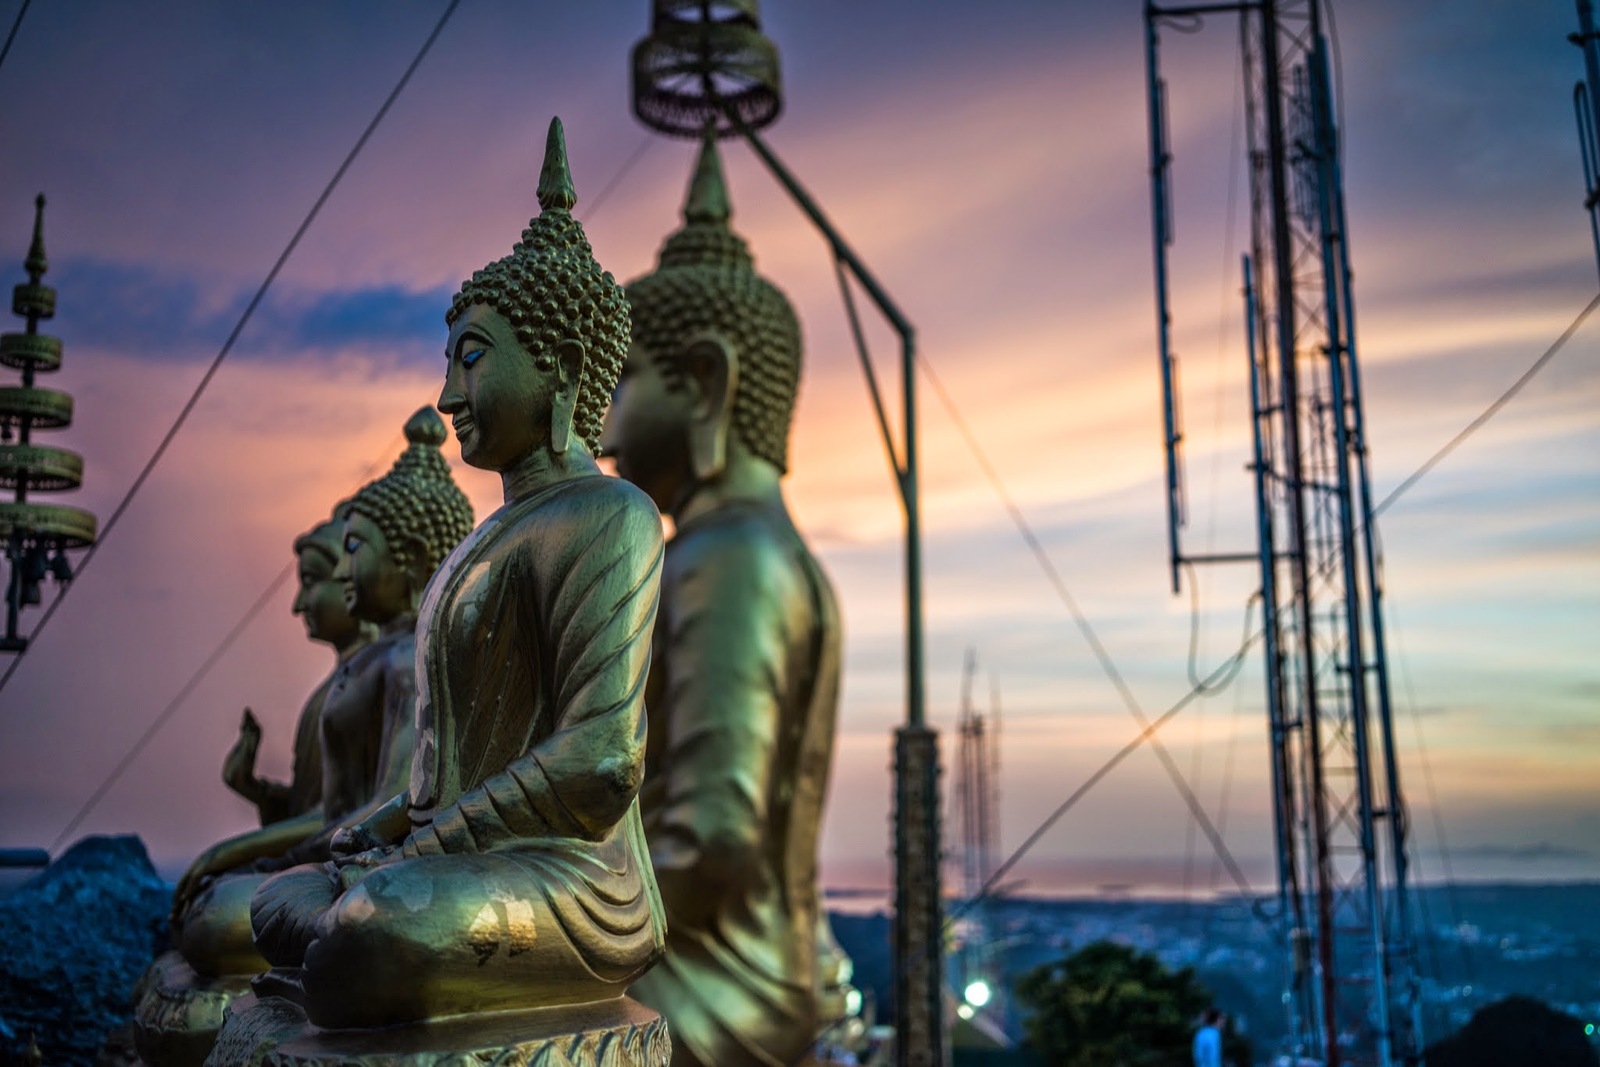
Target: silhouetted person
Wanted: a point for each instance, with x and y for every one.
(1208, 1040)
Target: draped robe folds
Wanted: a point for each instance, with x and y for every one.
(362, 736)
(742, 701)
(525, 879)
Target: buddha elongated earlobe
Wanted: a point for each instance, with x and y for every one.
(713, 366)
(562, 407)
(564, 403)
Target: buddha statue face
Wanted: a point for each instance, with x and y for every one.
(376, 587)
(320, 600)
(399, 528)
(647, 428)
(504, 402)
(714, 367)
(536, 339)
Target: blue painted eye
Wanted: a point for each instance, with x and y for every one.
(472, 357)
(351, 544)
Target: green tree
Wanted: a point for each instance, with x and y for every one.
(1108, 1005)
(1515, 1031)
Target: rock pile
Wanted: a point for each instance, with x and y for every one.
(73, 941)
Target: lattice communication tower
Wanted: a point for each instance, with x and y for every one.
(1339, 819)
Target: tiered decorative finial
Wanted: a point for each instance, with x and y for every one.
(706, 62)
(36, 536)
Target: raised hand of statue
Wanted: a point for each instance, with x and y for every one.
(239, 768)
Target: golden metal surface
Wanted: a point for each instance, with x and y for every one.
(512, 874)
(361, 577)
(744, 684)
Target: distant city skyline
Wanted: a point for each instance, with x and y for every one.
(989, 162)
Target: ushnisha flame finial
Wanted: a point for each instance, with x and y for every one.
(555, 177)
(705, 239)
(708, 193)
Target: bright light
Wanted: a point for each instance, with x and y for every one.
(977, 993)
(1589, 1030)
(964, 1010)
(852, 1001)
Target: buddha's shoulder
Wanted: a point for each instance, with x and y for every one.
(591, 509)
(738, 544)
(389, 652)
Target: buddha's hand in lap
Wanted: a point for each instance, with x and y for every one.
(350, 842)
(206, 866)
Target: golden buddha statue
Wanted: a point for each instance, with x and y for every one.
(361, 576)
(743, 685)
(320, 603)
(504, 899)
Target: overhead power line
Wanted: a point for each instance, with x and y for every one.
(267, 596)
(1493, 409)
(16, 24)
(1107, 665)
(233, 336)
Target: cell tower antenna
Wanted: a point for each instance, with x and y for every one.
(1339, 819)
(1584, 95)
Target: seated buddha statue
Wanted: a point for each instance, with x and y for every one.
(362, 575)
(743, 686)
(511, 876)
(320, 603)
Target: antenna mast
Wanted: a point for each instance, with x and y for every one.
(1339, 820)
(1583, 102)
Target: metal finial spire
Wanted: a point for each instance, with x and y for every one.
(36, 263)
(555, 178)
(708, 193)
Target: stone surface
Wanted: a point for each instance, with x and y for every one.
(73, 941)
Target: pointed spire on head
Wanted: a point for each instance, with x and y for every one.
(705, 238)
(555, 178)
(36, 264)
(708, 193)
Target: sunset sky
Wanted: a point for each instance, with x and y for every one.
(989, 162)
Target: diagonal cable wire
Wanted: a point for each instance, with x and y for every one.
(1493, 409)
(1107, 665)
(268, 595)
(617, 178)
(227, 346)
(16, 25)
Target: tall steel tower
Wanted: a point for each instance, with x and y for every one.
(1338, 814)
(977, 814)
(1583, 102)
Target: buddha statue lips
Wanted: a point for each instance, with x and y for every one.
(513, 873)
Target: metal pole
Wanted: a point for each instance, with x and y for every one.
(1587, 40)
(918, 901)
(1584, 101)
(1338, 347)
(1289, 415)
(1160, 160)
(1282, 795)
